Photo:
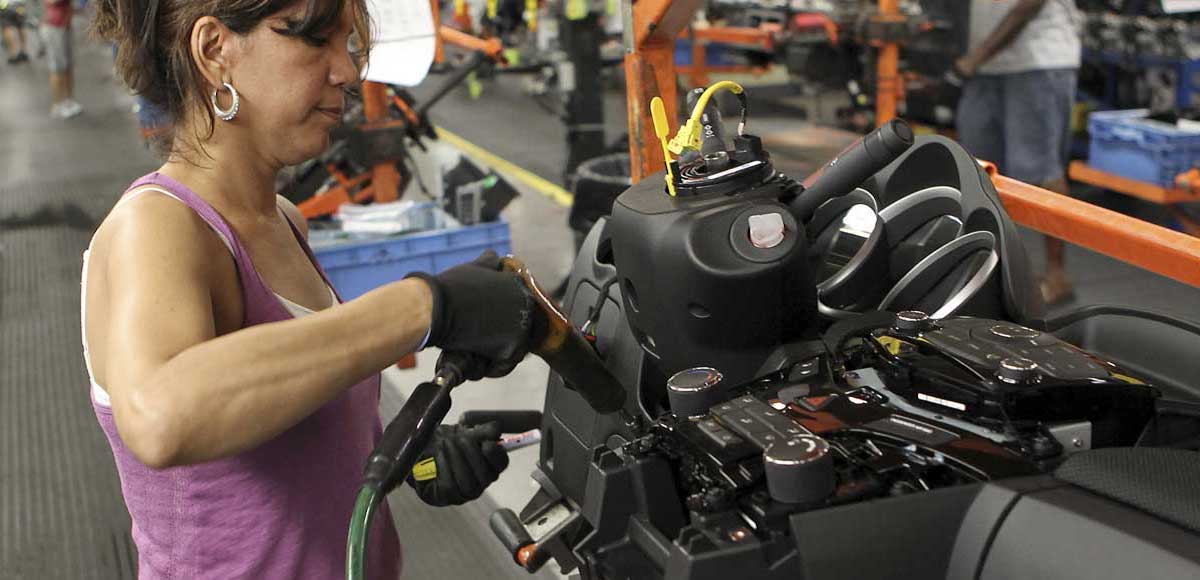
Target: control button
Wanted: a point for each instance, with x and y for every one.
(718, 434)
(725, 408)
(766, 230)
(799, 470)
(743, 422)
(1018, 371)
(722, 438)
(913, 321)
(784, 424)
(691, 392)
(1014, 331)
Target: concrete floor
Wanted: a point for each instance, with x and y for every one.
(77, 168)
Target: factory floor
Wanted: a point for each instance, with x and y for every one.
(61, 514)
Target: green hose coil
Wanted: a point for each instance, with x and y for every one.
(360, 526)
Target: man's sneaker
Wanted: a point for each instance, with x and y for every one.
(19, 58)
(70, 108)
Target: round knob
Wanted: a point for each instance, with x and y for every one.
(799, 470)
(913, 321)
(1014, 331)
(1018, 371)
(691, 392)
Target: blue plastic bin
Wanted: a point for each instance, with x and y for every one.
(1128, 144)
(356, 267)
(716, 53)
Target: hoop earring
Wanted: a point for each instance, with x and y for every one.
(230, 113)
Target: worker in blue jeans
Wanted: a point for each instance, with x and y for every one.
(1021, 69)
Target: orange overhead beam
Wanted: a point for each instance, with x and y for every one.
(1146, 245)
(744, 35)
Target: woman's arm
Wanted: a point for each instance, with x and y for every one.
(181, 395)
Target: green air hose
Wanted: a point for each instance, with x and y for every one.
(360, 528)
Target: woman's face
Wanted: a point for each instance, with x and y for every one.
(292, 89)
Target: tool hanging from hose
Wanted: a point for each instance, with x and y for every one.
(555, 340)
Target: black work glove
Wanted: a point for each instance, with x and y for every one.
(459, 463)
(480, 310)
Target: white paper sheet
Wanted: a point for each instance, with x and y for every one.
(405, 41)
(1177, 6)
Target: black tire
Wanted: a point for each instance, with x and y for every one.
(597, 183)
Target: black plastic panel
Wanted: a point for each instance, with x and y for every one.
(903, 537)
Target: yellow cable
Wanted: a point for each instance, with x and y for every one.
(688, 136)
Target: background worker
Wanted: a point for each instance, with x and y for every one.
(239, 396)
(1015, 111)
(56, 34)
(12, 20)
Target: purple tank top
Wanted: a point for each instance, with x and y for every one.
(280, 510)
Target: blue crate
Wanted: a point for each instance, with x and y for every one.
(1128, 144)
(358, 267)
(715, 53)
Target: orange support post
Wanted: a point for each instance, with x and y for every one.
(887, 76)
(650, 72)
(385, 179)
(439, 52)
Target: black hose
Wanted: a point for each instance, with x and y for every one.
(1086, 312)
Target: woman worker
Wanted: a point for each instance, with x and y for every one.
(239, 396)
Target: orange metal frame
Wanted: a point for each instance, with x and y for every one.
(697, 72)
(887, 75)
(650, 71)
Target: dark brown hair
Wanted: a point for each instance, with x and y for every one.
(152, 37)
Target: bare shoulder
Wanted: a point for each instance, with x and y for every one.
(152, 220)
(154, 234)
(293, 213)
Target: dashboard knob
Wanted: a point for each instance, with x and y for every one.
(692, 391)
(799, 470)
(913, 321)
(1018, 371)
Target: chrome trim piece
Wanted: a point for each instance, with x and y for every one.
(985, 241)
(860, 257)
(971, 288)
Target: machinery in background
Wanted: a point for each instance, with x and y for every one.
(832, 46)
(1137, 56)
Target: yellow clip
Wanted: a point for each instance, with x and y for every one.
(662, 129)
(425, 470)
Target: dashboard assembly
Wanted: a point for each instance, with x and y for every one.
(847, 377)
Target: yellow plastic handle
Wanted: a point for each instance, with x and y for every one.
(662, 128)
(659, 112)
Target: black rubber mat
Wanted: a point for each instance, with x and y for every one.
(61, 514)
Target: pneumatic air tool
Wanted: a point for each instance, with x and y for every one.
(554, 339)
